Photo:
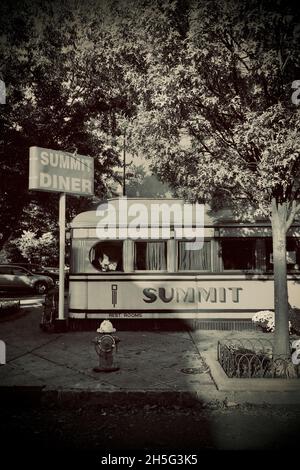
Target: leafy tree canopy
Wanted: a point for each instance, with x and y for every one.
(65, 66)
(228, 85)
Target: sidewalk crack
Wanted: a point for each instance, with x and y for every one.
(201, 358)
(30, 351)
(78, 371)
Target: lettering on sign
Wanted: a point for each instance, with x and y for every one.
(56, 171)
(192, 294)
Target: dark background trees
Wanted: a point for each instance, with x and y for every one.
(63, 69)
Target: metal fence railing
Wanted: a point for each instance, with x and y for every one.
(253, 358)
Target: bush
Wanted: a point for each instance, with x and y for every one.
(265, 319)
(36, 248)
(8, 307)
(294, 317)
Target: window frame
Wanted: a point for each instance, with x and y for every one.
(209, 270)
(269, 251)
(252, 270)
(122, 257)
(24, 271)
(151, 270)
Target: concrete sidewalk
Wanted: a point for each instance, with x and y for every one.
(155, 367)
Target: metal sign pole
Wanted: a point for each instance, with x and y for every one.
(65, 173)
(62, 239)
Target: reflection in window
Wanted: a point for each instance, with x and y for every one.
(150, 256)
(238, 253)
(292, 258)
(198, 260)
(107, 256)
(19, 272)
(5, 270)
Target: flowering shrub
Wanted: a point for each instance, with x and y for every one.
(36, 248)
(294, 317)
(265, 319)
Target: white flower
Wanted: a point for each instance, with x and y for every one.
(263, 316)
(266, 319)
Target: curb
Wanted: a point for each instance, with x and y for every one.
(21, 395)
(70, 397)
(224, 383)
(204, 399)
(120, 397)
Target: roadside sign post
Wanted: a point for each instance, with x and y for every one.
(62, 238)
(64, 173)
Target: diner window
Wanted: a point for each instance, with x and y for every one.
(194, 260)
(292, 255)
(150, 256)
(238, 253)
(107, 256)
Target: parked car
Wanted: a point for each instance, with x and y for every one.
(15, 277)
(44, 271)
(55, 272)
(49, 271)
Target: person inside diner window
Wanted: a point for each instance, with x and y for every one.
(107, 264)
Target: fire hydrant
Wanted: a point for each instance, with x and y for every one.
(106, 346)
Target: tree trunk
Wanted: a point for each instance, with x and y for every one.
(279, 219)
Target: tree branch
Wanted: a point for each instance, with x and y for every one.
(294, 210)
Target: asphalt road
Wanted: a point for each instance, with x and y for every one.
(149, 428)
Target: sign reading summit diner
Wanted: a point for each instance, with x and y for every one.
(53, 170)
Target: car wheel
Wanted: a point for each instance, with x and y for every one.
(41, 288)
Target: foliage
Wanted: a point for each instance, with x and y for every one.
(9, 307)
(228, 86)
(79, 76)
(265, 319)
(64, 69)
(294, 317)
(143, 184)
(35, 249)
